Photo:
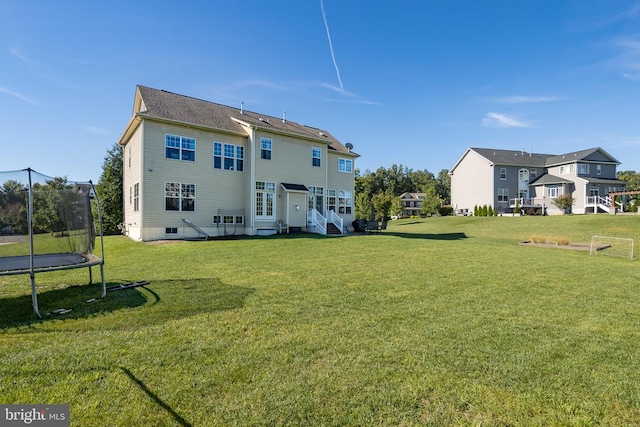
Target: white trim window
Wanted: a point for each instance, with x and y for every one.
(228, 219)
(533, 174)
(331, 200)
(345, 202)
(136, 197)
(316, 156)
(265, 199)
(566, 169)
(598, 170)
(503, 174)
(179, 197)
(583, 168)
(523, 175)
(180, 148)
(345, 165)
(230, 158)
(503, 195)
(266, 146)
(553, 191)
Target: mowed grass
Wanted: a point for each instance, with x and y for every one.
(439, 321)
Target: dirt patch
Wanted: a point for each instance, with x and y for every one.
(577, 246)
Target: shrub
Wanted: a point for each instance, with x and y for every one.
(445, 211)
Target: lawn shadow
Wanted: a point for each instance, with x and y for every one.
(443, 236)
(164, 300)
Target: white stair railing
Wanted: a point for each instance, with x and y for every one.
(318, 222)
(334, 219)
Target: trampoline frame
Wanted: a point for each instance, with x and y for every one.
(90, 259)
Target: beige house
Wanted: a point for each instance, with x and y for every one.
(506, 179)
(411, 203)
(197, 169)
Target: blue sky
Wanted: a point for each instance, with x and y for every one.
(413, 82)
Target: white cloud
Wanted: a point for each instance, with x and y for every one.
(516, 99)
(20, 96)
(500, 120)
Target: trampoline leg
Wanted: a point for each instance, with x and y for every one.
(34, 297)
(90, 276)
(104, 284)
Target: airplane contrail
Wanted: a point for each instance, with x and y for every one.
(333, 56)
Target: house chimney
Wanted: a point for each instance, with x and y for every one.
(242, 107)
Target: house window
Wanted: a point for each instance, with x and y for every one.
(171, 230)
(179, 197)
(315, 156)
(533, 174)
(136, 197)
(345, 202)
(239, 158)
(230, 158)
(345, 165)
(583, 168)
(503, 174)
(228, 219)
(523, 175)
(566, 169)
(503, 194)
(180, 148)
(553, 192)
(598, 170)
(265, 199)
(265, 148)
(331, 200)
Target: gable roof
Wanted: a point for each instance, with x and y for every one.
(168, 106)
(530, 159)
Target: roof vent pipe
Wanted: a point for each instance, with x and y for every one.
(284, 116)
(242, 107)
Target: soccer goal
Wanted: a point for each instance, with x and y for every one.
(611, 246)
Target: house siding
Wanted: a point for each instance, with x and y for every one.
(132, 165)
(472, 183)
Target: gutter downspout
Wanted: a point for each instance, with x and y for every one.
(252, 183)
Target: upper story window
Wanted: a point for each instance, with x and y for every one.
(180, 148)
(265, 148)
(533, 174)
(316, 155)
(599, 170)
(503, 173)
(566, 169)
(583, 168)
(523, 175)
(228, 156)
(345, 165)
(179, 197)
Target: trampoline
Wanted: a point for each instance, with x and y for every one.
(47, 225)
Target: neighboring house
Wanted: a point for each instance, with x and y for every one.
(411, 203)
(504, 178)
(194, 168)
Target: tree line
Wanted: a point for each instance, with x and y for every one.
(377, 193)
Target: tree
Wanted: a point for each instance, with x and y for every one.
(631, 178)
(13, 206)
(382, 204)
(110, 190)
(396, 206)
(431, 202)
(443, 186)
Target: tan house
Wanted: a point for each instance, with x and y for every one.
(411, 204)
(506, 179)
(197, 169)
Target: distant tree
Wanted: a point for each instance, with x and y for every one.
(13, 206)
(363, 206)
(476, 210)
(631, 178)
(48, 201)
(396, 206)
(110, 190)
(490, 211)
(431, 202)
(443, 186)
(382, 205)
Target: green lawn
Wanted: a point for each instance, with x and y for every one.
(439, 321)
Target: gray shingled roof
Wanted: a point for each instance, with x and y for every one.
(163, 105)
(524, 158)
(550, 179)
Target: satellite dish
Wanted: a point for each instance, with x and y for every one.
(349, 146)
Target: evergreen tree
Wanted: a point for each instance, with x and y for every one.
(110, 190)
